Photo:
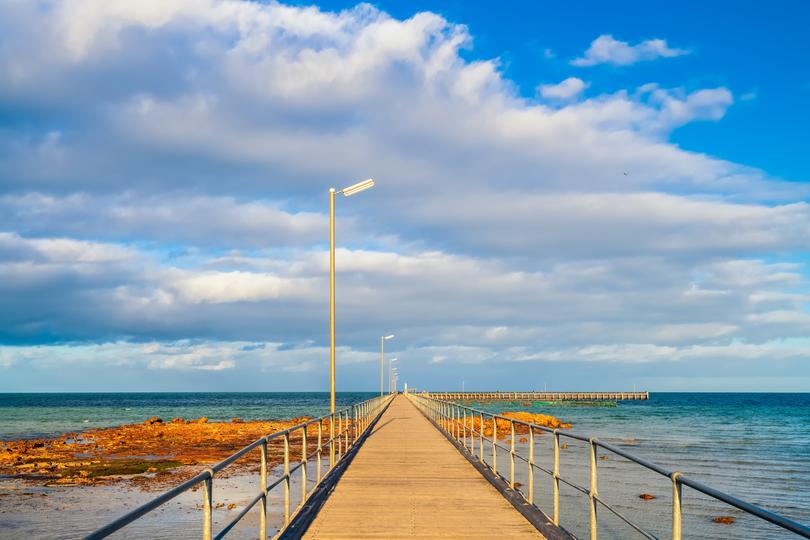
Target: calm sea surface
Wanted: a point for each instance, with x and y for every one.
(754, 446)
(37, 415)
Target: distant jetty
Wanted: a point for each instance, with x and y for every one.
(538, 396)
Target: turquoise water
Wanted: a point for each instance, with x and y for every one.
(38, 415)
(754, 446)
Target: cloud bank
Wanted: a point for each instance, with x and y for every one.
(164, 168)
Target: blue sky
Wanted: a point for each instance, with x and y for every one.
(759, 51)
(570, 195)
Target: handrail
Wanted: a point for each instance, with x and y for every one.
(354, 420)
(459, 422)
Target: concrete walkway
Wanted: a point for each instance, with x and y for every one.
(408, 481)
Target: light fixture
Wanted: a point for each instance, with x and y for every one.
(357, 188)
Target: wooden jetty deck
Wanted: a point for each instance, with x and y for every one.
(409, 481)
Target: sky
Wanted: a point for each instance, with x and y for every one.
(576, 196)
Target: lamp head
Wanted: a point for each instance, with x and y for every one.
(389, 336)
(358, 187)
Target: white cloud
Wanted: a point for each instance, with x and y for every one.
(607, 50)
(183, 196)
(565, 90)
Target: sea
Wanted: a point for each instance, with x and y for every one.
(755, 446)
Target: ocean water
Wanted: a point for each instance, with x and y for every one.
(753, 446)
(40, 415)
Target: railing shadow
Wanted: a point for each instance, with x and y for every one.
(309, 511)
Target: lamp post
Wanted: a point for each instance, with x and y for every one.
(347, 192)
(390, 373)
(382, 360)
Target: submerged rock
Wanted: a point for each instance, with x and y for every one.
(504, 427)
(724, 520)
(646, 497)
(545, 420)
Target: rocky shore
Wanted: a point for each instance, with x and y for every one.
(151, 454)
(156, 454)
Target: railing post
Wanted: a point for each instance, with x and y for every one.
(355, 423)
(346, 434)
(556, 478)
(495, 446)
(304, 462)
(512, 457)
(340, 436)
(676, 506)
(531, 465)
(208, 504)
(320, 447)
(594, 490)
(481, 438)
(286, 478)
(263, 505)
(331, 441)
(464, 427)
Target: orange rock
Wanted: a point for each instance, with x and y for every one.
(112, 454)
(538, 419)
(202, 420)
(725, 520)
(504, 427)
(646, 497)
(153, 420)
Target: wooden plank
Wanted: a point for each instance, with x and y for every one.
(408, 481)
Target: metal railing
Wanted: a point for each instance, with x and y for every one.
(342, 429)
(468, 425)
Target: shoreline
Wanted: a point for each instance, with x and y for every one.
(149, 455)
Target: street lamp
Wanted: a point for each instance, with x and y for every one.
(391, 373)
(382, 359)
(347, 192)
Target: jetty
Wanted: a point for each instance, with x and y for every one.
(416, 466)
(538, 396)
(413, 483)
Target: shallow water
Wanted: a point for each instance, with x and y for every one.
(753, 446)
(37, 415)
